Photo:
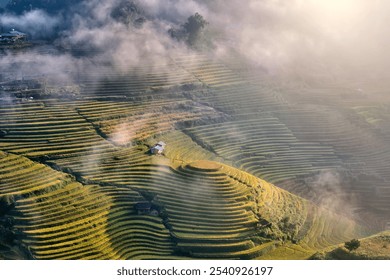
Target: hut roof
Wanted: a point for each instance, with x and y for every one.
(161, 143)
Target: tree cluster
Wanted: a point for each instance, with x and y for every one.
(352, 245)
(191, 31)
(129, 14)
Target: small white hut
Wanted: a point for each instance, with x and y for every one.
(158, 148)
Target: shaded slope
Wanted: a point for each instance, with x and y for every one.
(318, 127)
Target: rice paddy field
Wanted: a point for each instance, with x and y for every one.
(254, 167)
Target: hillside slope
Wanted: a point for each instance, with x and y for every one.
(375, 247)
(205, 210)
(75, 168)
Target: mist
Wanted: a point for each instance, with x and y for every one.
(329, 192)
(347, 37)
(36, 23)
(95, 40)
(290, 36)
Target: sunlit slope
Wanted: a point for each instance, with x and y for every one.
(375, 247)
(249, 123)
(56, 217)
(216, 211)
(43, 129)
(207, 210)
(212, 119)
(62, 128)
(20, 176)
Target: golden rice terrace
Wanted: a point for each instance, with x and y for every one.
(247, 172)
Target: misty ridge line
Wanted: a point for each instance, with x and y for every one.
(281, 36)
(110, 35)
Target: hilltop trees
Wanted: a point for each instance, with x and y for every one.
(352, 245)
(191, 31)
(194, 27)
(128, 13)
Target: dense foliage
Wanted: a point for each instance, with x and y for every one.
(128, 13)
(352, 245)
(191, 31)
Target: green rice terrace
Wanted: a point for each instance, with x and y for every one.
(252, 168)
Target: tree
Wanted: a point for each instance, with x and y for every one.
(191, 31)
(193, 27)
(352, 245)
(128, 13)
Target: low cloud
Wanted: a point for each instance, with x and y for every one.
(281, 36)
(328, 190)
(174, 11)
(36, 23)
(96, 39)
(59, 67)
(299, 36)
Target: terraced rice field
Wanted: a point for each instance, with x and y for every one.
(266, 148)
(64, 219)
(135, 81)
(74, 169)
(37, 129)
(376, 116)
(326, 123)
(124, 123)
(207, 210)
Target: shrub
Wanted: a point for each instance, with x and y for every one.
(191, 31)
(352, 245)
